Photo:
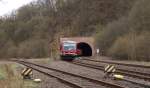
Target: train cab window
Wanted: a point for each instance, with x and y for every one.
(69, 46)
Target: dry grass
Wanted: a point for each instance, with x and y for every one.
(41, 60)
(12, 78)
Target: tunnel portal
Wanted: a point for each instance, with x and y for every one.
(85, 49)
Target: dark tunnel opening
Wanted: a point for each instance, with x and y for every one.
(85, 49)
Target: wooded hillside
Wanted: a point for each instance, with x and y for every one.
(120, 27)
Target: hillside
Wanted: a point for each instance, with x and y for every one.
(34, 29)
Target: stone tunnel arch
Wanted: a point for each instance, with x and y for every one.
(85, 48)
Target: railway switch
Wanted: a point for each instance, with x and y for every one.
(26, 73)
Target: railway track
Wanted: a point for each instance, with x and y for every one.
(143, 75)
(119, 71)
(71, 84)
(123, 64)
(39, 68)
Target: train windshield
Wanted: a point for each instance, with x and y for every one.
(69, 46)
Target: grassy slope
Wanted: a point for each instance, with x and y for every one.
(10, 77)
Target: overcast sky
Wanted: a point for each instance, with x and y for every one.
(7, 6)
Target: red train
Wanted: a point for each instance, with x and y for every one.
(69, 50)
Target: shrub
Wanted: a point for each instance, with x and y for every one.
(127, 37)
(109, 34)
(33, 49)
(140, 16)
(143, 49)
(132, 46)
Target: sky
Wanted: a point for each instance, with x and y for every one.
(7, 6)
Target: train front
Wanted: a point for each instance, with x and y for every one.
(69, 50)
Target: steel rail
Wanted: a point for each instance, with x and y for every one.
(100, 82)
(125, 64)
(120, 72)
(71, 84)
(124, 70)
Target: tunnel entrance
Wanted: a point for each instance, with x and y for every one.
(85, 49)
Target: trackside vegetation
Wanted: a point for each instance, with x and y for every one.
(121, 28)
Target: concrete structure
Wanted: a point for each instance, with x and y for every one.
(86, 44)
